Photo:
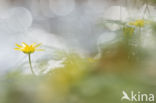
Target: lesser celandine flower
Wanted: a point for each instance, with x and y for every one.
(138, 23)
(28, 49)
(128, 31)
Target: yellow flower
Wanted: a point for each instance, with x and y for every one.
(138, 23)
(28, 49)
(128, 30)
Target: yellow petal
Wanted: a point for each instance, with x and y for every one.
(24, 44)
(19, 46)
(37, 45)
(33, 45)
(18, 49)
(39, 49)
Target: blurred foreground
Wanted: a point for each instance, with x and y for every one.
(97, 78)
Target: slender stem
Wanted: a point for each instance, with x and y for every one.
(31, 64)
(139, 30)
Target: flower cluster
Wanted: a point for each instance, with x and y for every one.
(128, 30)
(138, 23)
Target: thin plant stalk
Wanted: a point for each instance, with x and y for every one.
(29, 55)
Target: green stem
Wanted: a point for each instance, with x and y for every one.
(140, 31)
(31, 64)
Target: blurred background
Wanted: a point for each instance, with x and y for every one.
(92, 53)
(61, 24)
